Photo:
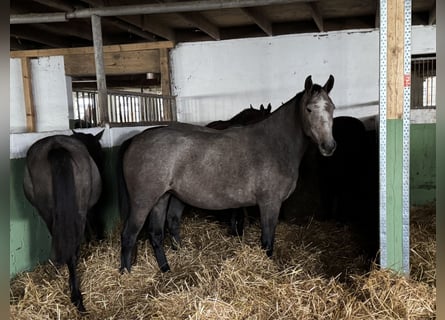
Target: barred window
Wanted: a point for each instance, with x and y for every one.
(423, 82)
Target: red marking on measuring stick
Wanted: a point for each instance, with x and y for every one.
(407, 80)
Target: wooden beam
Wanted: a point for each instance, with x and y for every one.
(165, 78)
(260, 20)
(394, 253)
(123, 23)
(100, 69)
(116, 63)
(32, 34)
(90, 50)
(142, 9)
(59, 5)
(316, 15)
(27, 91)
(80, 31)
(199, 21)
(396, 33)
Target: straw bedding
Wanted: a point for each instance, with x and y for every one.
(317, 272)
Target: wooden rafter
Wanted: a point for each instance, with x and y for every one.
(432, 15)
(316, 15)
(260, 20)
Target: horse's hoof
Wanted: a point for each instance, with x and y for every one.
(79, 305)
(165, 268)
(123, 269)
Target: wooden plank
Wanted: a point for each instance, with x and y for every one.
(100, 69)
(90, 50)
(396, 31)
(115, 63)
(165, 79)
(27, 91)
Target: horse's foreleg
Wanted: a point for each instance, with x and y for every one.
(174, 214)
(269, 219)
(133, 226)
(76, 296)
(156, 231)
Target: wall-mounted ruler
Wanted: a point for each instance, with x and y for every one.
(394, 132)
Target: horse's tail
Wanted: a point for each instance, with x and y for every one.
(124, 204)
(67, 225)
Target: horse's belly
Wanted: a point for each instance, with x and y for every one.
(206, 198)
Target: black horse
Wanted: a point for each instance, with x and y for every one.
(62, 181)
(349, 182)
(220, 169)
(245, 117)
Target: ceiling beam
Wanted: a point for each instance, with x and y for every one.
(174, 7)
(260, 20)
(316, 15)
(59, 5)
(35, 35)
(197, 20)
(151, 28)
(82, 31)
(432, 15)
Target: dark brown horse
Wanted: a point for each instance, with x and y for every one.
(62, 181)
(219, 169)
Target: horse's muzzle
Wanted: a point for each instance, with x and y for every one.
(327, 149)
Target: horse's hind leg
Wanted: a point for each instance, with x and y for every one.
(174, 214)
(269, 218)
(133, 226)
(76, 295)
(156, 231)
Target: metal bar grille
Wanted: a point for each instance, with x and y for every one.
(423, 83)
(123, 108)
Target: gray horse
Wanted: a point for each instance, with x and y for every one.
(220, 169)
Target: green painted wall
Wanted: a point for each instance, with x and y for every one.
(30, 242)
(422, 163)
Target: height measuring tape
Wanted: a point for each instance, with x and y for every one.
(405, 138)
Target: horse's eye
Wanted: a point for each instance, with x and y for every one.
(309, 110)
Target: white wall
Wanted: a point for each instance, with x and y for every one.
(49, 93)
(215, 80)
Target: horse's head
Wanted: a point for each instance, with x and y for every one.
(317, 111)
(92, 142)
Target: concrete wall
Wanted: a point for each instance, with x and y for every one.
(49, 89)
(215, 80)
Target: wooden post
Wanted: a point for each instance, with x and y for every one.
(393, 237)
(29, 99)
(100, 70)
(165, 81)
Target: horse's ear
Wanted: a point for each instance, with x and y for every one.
(261, 107)
(99, 135)
(269, 107)
(251, 107)
(329, 84)
(308, 84)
